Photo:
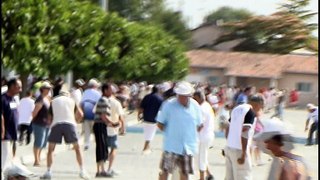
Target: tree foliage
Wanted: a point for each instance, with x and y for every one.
(279, 33)
(154, 12)
(52, 37)
(228, 14)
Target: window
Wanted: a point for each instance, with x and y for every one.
(304, 87)
(213, 80)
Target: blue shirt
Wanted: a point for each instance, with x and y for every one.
(180, 126)
(242, 98)
(9, 108)
(151, 104)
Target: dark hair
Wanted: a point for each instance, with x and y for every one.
(104, 87)
(278, 139)
(12, 82)
(155, 89)
(200, 94)
(29, 92)
(247, 89)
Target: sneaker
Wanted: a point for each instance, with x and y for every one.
(107, 174)
(84, 175)
(46, 175)
(146, 152)
(210, 177)
(114, 173)
(309, 144)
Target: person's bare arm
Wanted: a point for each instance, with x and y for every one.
(37, 108)
(244, 142)
(161, 126)
(307, 125)
(78, 114)
(140, 111)
(226, 131)
(2, 127)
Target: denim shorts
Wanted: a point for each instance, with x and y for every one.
(40, 136)
(112, 141)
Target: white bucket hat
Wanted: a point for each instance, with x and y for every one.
(93, 83)
(311, 106)
(184, 88)
(271, 128)
(16, 169)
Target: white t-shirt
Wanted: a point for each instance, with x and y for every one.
(76, 95)
(25, 108)
(116, 112)
(63, 110)
(241, 115)
(314, 115)
(206, 134)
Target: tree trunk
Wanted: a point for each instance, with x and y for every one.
(24, 81)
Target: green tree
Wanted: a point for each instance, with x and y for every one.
(27, 46)
(53, 37)
(228, 14)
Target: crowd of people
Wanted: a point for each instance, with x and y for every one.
(185, 112)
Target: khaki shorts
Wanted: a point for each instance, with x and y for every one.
(170, 161)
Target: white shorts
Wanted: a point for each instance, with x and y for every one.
(203, 154)
(149, 131)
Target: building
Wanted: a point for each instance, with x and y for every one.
(260, 70)
(206, 35)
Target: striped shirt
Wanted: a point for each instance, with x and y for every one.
(102, 107)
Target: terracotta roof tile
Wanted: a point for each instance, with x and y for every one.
(253, 64)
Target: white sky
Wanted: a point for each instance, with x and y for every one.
(194, 11)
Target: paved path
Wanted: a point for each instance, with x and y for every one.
(133, 165)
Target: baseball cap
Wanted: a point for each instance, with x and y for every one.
(184, 88)
(80, 82)
(311, 106)
(46, 84)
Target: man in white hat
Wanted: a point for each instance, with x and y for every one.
(180, 118)
(277, 141)
(313, 115)
(89, 99)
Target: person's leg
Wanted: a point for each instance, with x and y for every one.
(163, 175)
(29, 132)
(87, 130)
(184, 176)
(50, 155)
(202, 160)
(147, 134)
(99, 130)
(111, 158)
(37, 144)
(312, 129)
(229, 169)
(21, 131)
(5, 154)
